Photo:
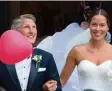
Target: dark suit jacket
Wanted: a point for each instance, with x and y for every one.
(9, 79)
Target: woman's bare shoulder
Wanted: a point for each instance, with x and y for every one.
(79, 48)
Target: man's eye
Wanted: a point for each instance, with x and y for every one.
(26, 26)
(34, 26)
(102, 25)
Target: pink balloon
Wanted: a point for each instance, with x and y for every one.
(14, 47)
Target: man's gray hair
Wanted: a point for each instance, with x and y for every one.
(16, 22)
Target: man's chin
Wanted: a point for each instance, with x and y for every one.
(32, 42)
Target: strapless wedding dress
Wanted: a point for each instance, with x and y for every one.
(97, 78)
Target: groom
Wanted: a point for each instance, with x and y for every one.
(26, 75)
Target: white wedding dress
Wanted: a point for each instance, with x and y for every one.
(60, 44)
(97, 78)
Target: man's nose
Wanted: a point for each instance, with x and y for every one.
(30, 29)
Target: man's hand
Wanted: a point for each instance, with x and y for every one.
(50, 86)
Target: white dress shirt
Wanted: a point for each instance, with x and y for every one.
(23, 71)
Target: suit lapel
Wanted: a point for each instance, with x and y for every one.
(12, 72)
(33, 73)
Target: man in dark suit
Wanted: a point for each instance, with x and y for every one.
(34, 72)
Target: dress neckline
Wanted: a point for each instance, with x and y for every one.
(94, 63)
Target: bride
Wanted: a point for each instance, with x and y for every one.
(93, 59)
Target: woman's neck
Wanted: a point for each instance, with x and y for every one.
(97, 45)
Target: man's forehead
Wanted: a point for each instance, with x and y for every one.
(27, 21)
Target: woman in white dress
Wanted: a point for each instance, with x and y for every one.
(93, 59)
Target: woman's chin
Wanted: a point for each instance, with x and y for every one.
(97, 38)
